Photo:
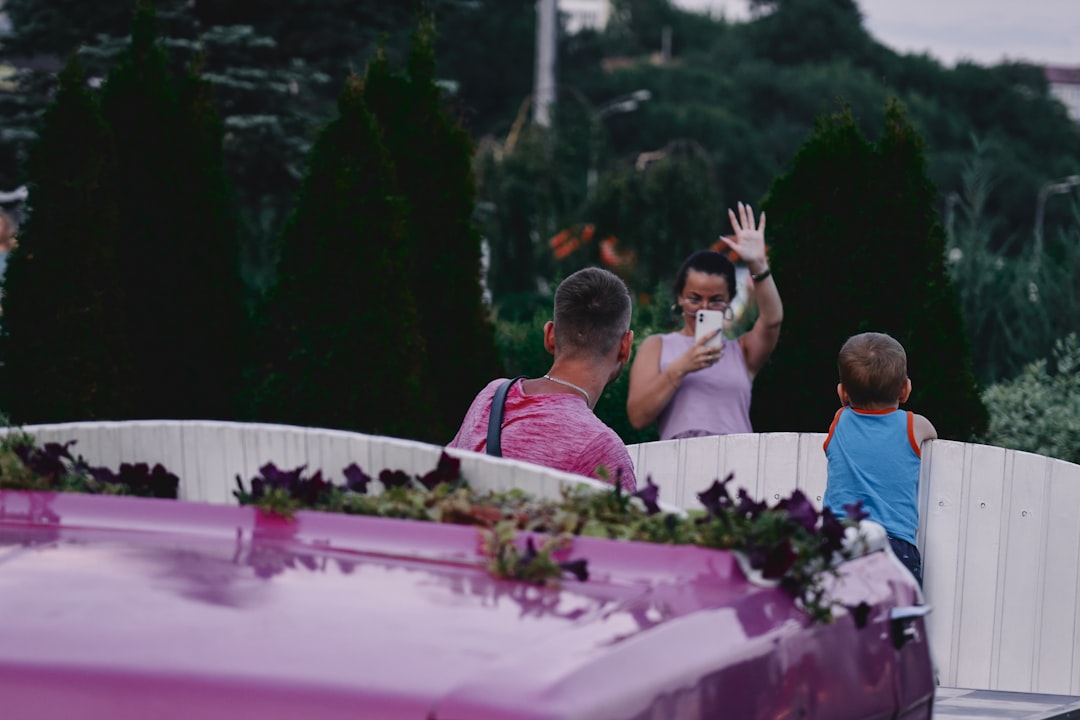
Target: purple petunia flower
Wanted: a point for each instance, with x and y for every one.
(356, 479)
(650, 495)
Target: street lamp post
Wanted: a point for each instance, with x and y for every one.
(1056, 187)
(623, 104)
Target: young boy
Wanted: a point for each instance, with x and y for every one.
(873, 448)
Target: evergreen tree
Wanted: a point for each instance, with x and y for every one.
(66, 357)
(176, 242)
(432, 156)
(339, 343)
(856, 247)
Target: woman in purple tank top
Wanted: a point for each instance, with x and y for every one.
(687, 387)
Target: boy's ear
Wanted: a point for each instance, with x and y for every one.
(844, 399)
(906, 391)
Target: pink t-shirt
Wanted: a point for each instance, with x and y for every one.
(553, 429)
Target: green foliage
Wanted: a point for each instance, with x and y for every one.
(1017, 299)
(432, 158)
(661, 213)
(66, 356)
(1039, 410)
(857, 247)
(339, 343)
(176, 235)
(799, 32)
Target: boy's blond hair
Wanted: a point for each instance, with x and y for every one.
(873, 369)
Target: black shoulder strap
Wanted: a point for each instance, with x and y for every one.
(494, 435)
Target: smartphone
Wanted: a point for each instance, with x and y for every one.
(708, 322)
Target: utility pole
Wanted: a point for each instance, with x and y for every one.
(547, 25)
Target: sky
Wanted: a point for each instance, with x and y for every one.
(984, 31)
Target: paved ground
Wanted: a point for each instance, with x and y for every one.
(960, 704)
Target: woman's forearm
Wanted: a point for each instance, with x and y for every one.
(648, 398)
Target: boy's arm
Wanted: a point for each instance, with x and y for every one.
(922, 429)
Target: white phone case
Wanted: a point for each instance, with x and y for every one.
(708, 322)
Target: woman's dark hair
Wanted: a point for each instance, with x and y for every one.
(707, 261)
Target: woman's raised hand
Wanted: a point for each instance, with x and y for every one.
(749, 238)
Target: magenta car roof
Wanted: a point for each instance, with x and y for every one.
(132, 608)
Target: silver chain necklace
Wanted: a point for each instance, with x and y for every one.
(588, 400)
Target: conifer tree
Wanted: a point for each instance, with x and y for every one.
(856, 246)
(66, 357)
(339, 344)
(176, 242)
(432, 156)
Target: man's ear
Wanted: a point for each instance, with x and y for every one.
(906, 391)
(549, 337)
(626, 346)
(845, 400)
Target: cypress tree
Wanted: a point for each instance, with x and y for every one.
(432, 156)
(176, 243)
(856, 246)
(339, 345)
(66, 357)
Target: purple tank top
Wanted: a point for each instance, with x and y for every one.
(713, 401)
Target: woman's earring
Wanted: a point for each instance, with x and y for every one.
(675, 309)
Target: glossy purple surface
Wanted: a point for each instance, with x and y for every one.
(131, 608)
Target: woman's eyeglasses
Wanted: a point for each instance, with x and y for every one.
(713, 304)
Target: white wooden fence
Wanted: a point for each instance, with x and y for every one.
(1000, 530)
(207, 456)
(999, 535)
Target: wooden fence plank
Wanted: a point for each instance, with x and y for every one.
(813, 468)
(660, 459)
(779, 465)
(741, 457)
(945, 463)
(700, 463)
(1056, 665)
(1019, 589)
(977, 573)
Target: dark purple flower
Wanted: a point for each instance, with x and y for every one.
(778, 560)
(831, 533)
(258, 488)
(799, 510)
(394, 478)
(854, 511)
(356, 479)
(310, 490)
(650, 495)
(716, 498)
(530, 552)
(577, 568)
(447, 470)
(748, 507)
(281, 479)
(105, 475)
(48, 460)
(163, 484)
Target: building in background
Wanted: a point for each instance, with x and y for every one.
(1065, 85)
(585, 14)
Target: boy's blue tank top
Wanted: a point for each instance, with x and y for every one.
(872, 456)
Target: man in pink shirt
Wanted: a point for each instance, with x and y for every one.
(549, 420)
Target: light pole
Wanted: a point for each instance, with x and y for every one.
(623, 104)
(1056, 187)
